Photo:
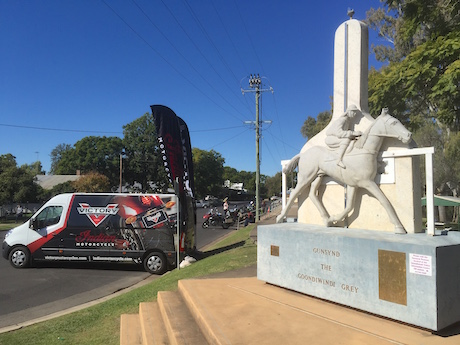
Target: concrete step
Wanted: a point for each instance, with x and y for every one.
(130, 330)
(180, 324)
(165, 322)
(249, 311)
(152, 325)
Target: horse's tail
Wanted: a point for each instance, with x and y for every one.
(292, 164)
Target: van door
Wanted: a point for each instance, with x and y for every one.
(92, 227)
(48, 227)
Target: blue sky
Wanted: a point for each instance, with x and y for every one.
(74, 68)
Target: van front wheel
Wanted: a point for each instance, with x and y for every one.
(19, 257)
(155, 263)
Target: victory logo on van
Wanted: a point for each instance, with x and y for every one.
(97, 214)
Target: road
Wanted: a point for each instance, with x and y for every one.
(46, 288)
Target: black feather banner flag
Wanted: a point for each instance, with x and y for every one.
(176, 151)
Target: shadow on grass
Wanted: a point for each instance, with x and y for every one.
(198, 255)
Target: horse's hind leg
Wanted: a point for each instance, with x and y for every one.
(299, 188)
(316, 201)
(351, 192)
(308, 171)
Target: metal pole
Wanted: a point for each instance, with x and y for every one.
(257, 153)
(254, 82)
(176, 191)
(121, 169)
(283, 184)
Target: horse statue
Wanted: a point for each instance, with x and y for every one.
(361, 168)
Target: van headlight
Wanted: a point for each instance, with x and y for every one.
(8, 233)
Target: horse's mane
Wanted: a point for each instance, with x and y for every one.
(362, 139)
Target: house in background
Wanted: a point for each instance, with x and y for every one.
(49, 181)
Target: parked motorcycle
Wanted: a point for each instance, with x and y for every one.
(231, 217)
(212, 218)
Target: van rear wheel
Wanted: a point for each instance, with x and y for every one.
(155, 263)
(19, 257)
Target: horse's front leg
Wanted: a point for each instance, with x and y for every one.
(351, 193)
(317, 202)
(372, 187)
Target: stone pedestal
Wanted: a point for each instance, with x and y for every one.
(412, 278)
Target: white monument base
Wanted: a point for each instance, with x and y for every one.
(412, 278)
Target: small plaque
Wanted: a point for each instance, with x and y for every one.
(420, 264)
(275, 250)
(392, 277)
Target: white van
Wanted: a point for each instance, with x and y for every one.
(99, 227)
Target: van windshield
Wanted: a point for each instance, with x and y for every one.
(49, 216)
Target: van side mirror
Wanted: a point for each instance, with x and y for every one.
(33, 224)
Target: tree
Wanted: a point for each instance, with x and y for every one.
(208, 170)
(312, 126)
(8, 171)
(66, 187)
(231, 174)
(422, 82)
(100, 154)
(249, 180)
(35, 168)
(431, 135)
(405, 25)
(423, 85)
(143, 162)
(92, 182)
(26, 189)
(273, 184)
(17, 184)
(56, 155)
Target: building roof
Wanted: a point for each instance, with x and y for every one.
(49, 181)
(443, 200)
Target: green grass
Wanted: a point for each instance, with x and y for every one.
(100, 324)
(7, 225)
(11, 223)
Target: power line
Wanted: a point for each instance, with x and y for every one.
(228, 36)
(269, 151)
(233, 137)
(283, 142)
(206, 35)
(106, 132)
(279, 123)
(214, 129)
(57, 129)
(249, 36)
(182, 55)
(197, 47)
(166, 60)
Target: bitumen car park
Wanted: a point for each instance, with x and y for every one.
(202, 204)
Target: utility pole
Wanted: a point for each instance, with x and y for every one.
(255, 83)
(121, 173)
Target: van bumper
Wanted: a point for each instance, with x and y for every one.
(5, 250)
